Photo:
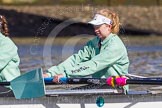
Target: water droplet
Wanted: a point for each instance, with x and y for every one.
(100, 101)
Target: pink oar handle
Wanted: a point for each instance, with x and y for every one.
(119, 81)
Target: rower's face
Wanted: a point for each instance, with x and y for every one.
(102, 31)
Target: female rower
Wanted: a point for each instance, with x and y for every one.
(9, 59)
(103, 56)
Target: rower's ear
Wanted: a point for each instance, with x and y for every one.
(109, 26)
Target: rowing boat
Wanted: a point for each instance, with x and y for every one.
(86, 98)
(32, 94)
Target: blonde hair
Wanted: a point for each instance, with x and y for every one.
(113, 16)
(3, 26)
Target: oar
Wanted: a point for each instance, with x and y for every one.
(66, 80)
(111, 81)
(28, 85)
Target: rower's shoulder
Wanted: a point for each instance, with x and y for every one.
(6, 42)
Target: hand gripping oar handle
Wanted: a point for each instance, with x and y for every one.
(49, 80)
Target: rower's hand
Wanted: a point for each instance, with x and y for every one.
(57, 77)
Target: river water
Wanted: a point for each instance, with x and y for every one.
(145, 60)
